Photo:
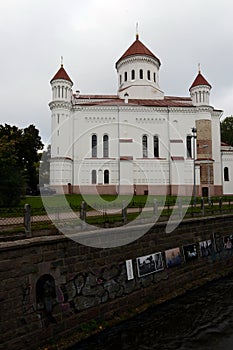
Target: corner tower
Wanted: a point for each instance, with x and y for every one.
(200, 90)
(138, 73)
(61, 129)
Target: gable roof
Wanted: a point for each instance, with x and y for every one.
(138, 48)
(61, 74)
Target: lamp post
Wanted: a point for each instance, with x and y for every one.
(194, 136)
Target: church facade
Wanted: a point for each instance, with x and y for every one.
(140, 140)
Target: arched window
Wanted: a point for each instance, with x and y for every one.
(58, 88)
(133, 74)
(189, 146)
(141, 73)
(155, 77)
(106, 176)
(148, 75)
(93, 177)
(226, 174)
(62, 91)
(156, 146)
(94, 146)
(105, 146)
(144, 146)
(125, 76)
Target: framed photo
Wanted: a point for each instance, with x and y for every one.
(228, 242)
(206, 248)
(129, 269)
(149, 264)
(173, 257)
(190, 252)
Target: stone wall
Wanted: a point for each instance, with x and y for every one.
(52, 287)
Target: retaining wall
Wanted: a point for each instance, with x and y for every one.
(53, 288)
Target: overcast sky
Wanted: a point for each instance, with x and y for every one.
(91, 35)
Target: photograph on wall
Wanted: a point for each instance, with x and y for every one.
(190, 252)
(129, 269)
(228, 242)
(206, 247)
(149, 264)
(173, 257)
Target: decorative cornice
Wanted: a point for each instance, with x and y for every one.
(54, 159)
(60, 104)
(177, 158)
(176, 141)
(137, 58)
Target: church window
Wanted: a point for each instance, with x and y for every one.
(62, 91)
(106, 176)
(226, 174)
(58, 118)
(189, 146)
(148, 74)
(132, 74)
(199, 96)
(125, 76)
(66, 93)
(144, 146)
(156, 146)
(94, 146)
(141, 73)
(155, 77)
(93, 177)
(58, 91)
(105, 146)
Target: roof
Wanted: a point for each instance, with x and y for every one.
(114, 100)
(137, 48)
(199, 80)
(61, 74)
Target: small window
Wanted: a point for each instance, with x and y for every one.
(226, 174)
(148, 75)
(189, 146)
(93, 177)
(94, 146)
(155, 77)
(156, 146)
(141, 73)
(106, 176)
(125, 76)
(105, 146)
(58, 118)
(144, 146)
(133, 74)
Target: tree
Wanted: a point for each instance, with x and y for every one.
(45, 166)
(11, 174)
(18, 161)
(227, 130)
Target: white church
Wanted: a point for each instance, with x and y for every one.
(140, 140)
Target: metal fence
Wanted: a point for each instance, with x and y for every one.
(18, 219)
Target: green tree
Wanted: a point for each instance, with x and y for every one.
(45, 166)
(19, 159)
(11, 173)
(227, 130)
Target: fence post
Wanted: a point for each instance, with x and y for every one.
(203, 206)
(155, 208)
(83, 211)
(27, 220)
(180, 207)
(220, 204)
(124, 212)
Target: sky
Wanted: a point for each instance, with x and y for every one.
(91, 35)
